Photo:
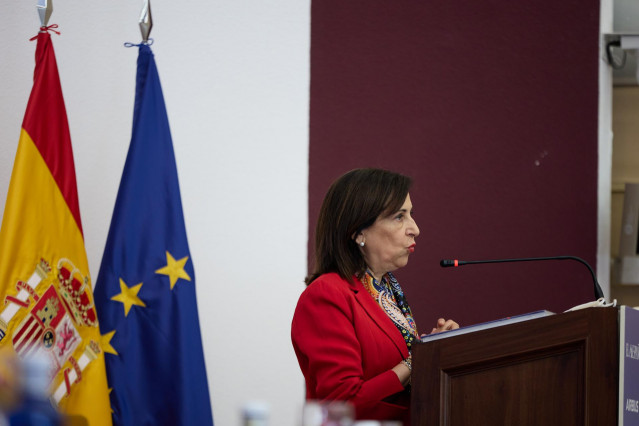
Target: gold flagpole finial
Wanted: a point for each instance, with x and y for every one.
(146, 22)
(45, 7)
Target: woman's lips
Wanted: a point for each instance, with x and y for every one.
(411, 248)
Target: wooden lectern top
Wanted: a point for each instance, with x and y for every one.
(556, 370)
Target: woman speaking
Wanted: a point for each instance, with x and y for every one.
(353, 329)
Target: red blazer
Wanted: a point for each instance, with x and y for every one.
(346, 346)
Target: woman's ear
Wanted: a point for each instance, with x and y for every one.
(359, 239)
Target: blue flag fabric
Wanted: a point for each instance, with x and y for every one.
(145, 292)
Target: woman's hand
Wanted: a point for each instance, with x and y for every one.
(403, 373)
(444, 325)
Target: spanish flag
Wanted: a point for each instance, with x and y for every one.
(48, 304)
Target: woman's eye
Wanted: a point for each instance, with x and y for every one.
(399, 216)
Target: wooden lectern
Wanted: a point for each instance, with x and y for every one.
(557, 370)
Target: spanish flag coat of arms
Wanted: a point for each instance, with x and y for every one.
(47, 301)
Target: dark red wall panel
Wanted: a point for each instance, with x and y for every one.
(492, 108)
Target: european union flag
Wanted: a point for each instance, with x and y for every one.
(145, 292)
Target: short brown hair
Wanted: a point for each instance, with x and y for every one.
(353, 203)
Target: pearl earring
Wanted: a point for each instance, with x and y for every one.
(361, 244)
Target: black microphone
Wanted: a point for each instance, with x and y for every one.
(446, 263)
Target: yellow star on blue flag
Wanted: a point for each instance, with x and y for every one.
(128, 296)
(105, 344)
(174, 269)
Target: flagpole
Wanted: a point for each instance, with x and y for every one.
(44, 267)
(45, 8)
(145, 293)
(146, 21)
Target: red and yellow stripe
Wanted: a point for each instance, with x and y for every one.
(42, 221)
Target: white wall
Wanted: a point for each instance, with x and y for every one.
(235, 76)
(604, 179)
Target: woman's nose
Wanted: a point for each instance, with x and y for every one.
(413, 229)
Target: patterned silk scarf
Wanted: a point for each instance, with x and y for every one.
(391, 298)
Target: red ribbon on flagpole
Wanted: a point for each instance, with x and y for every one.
(46, 29)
